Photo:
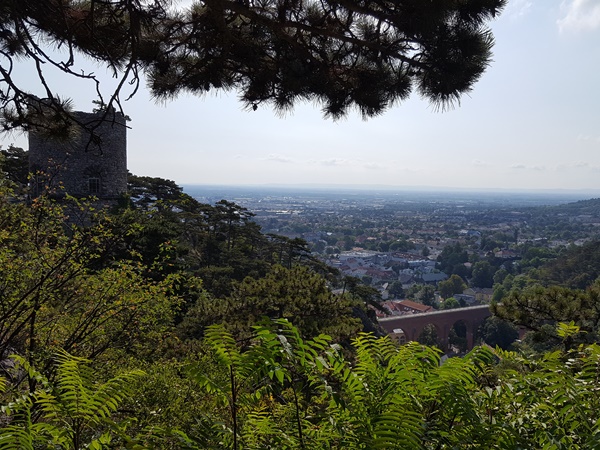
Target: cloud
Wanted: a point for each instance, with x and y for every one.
(374, 166)
(518, 8)
(572, 165)
(577, 165)
(278, 158)
(341, 162)
(579, 15)
(331, 162)
(525, 167)
(588, 138)
(479, 163)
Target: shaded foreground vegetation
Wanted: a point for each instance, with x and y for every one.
(288, 393)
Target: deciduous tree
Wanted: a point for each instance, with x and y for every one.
(498, 332)
(451, 286)
(483, 274)
(60, 289)
(396, 289)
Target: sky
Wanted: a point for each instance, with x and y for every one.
(531, 122)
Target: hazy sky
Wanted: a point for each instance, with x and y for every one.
(532, 121)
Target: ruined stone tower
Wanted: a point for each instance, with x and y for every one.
(83, 166)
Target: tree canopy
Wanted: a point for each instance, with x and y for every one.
(451, 286)
(14, 164)
(344, 54)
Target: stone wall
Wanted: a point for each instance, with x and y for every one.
(83, 166)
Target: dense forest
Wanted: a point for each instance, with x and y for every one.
(161, 322)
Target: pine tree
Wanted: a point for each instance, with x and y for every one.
(349, 54)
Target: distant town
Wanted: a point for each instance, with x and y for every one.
(399, 242)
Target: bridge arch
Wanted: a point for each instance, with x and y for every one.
(413, 324)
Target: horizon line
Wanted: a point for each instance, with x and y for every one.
(387, 187)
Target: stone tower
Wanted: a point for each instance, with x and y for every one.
(82, 166)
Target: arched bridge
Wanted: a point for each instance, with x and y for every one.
(413, 324)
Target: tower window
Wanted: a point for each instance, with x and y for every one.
(94, 185)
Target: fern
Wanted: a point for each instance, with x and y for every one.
(292, 393)
(15, 437)
(75, 411)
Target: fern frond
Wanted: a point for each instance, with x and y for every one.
(223, 344)
(397, 429)
(15, 438)
(109, 395)
(78, 395)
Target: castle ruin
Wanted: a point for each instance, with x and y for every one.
(93, 163)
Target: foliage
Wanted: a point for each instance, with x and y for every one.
(282, 391)
(71, 412)
(219, 243)
(61, 290)
(373, 71)
(537, 307)
(153, 193)
(14, 164)
(577, 268)
(293, 394)
(395, 289)
(391, 397)
(483, 274)
(369, 296)
(498, 333)
(457, 338)
(549, 402)
(89, 290)
(279, 361)
(452, 260)
(296, 294)
(355, 55)
(451, 286)
(501, 275)
(536, 256)
(166, 397)
(427, 296)
(429, 336)
(423, 293)
(450, 303)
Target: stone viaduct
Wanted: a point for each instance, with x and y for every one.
(411, 325)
